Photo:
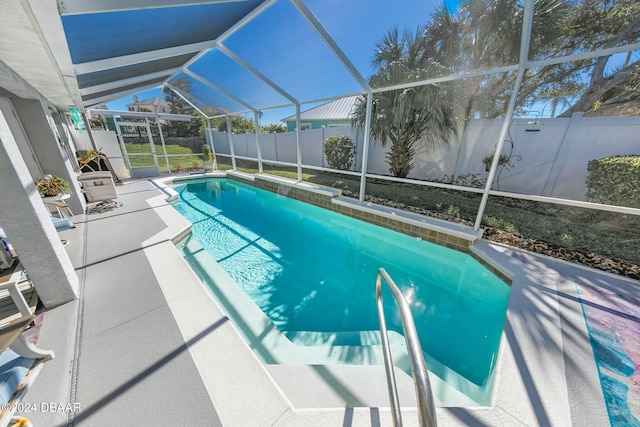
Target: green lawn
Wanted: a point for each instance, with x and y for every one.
(187, 160)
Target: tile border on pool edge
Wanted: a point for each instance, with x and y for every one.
(454, 236)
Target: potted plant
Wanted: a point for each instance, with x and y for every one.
(52, 186)
(207, 158)
(504, 161)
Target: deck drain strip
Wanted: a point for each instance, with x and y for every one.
(80, 316)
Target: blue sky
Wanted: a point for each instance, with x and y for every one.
(281, 45)
(302, 64)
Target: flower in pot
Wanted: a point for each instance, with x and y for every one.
(52, 186)
(207, 158)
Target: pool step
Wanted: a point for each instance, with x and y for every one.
(346, 338)
(340, 386)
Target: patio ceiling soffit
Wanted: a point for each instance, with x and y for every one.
(33, 46)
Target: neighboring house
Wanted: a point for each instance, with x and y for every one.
(332, 114)
(149, 105)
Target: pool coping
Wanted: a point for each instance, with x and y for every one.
(528, 387)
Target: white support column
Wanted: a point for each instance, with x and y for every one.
(258, 149)
(298, 148)
(29, 227)
(527, 23)
(87, 124)
(164, 147)
(209, 136)
(153, 146)
(365, 145)
(230, 136)
(122, 146)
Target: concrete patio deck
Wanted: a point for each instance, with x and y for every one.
(146, 343)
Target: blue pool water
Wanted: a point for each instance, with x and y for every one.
(310, 269)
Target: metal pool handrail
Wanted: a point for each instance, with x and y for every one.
(424, 397)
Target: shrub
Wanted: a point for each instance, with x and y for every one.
(614, 180)
(206, 153)
(339, 151)
(467, 180)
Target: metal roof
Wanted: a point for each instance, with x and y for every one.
(339, 109)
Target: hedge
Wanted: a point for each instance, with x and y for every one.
(614, 180)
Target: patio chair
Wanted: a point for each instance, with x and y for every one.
(20, 359)
(92, 161)
(99, 190)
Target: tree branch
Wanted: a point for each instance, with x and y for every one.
(593, 94)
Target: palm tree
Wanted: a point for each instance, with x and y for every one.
(480, 35)
(404, 117)
(483, 34)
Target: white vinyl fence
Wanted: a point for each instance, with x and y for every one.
(549, 159)
(281, 147)
(553, 154)
(550, 156)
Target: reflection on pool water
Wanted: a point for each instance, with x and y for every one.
(313, 271)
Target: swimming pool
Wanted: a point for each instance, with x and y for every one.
(312, 272)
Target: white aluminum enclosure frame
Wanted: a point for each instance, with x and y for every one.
(79, 7)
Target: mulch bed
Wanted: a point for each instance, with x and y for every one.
(591, 259)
